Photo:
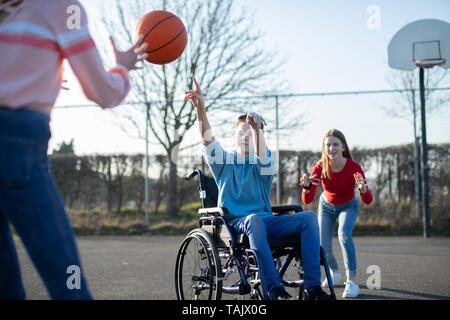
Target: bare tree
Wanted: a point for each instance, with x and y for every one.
(407, 104)
(436, 100)
(224, 53)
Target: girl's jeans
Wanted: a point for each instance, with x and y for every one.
(346, 214)
(29, 200)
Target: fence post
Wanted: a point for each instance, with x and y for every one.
(147, 182)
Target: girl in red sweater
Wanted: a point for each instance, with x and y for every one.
(339, 175)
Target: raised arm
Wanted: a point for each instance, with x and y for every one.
(107, 88)
(255, 122)
(197, 100)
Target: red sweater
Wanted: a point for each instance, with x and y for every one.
(340, 188)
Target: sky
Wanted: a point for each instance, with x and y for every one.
(327, 46)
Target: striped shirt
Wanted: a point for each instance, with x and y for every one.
(34, 41)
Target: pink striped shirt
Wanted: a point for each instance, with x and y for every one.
(34, 41)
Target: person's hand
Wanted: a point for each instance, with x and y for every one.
(254, 120)
(129, 58)
(360, 182)
(195, 96)
(306, 181)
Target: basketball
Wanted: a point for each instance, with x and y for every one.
(165, 35)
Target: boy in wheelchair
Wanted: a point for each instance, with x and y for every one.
(244, 179)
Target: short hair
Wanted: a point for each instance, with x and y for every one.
(243, 118)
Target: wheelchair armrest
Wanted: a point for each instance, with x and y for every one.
(215, 211)
(278, 210)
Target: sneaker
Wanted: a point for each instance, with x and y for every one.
(335, 277)
(317, 294)
(351, 289)
(279, 293)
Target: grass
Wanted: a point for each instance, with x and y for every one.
(132, 222)
(373, 220)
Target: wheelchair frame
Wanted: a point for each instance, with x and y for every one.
(213, 241)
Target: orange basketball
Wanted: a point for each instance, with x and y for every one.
(165, 35)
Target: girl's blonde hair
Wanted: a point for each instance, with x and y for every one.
(326, 171)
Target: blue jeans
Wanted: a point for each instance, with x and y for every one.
(301, 224)
(346, 214)
(29, 200)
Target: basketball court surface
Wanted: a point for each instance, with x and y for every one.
(142, 267)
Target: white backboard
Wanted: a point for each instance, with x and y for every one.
(425, 40)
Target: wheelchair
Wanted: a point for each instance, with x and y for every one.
(213, 262)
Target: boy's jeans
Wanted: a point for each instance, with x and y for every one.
(259, 228)
(29, 200)
(347, 214)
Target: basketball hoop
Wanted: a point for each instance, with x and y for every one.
(424, 44)
(429, 63)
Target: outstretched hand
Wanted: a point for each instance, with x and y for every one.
(306, 180)
(132, 56)
(195, 96)
(360, 182)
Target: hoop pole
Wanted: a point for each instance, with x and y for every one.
(425, 182)
(416, 158)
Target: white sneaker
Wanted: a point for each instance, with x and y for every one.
(351, 289)
(335, 277)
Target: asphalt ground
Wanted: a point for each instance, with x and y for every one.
(142, 267)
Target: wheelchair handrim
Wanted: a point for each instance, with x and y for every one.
(208, 282)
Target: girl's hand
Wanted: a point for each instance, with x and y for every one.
(360, 182)
(195, 96)
(129, 58)
(254, 120)
(306, 180)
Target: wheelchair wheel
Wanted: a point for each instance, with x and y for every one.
(198, 271)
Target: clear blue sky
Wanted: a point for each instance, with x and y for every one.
(327, 45)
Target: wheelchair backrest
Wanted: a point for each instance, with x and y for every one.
(208, 191)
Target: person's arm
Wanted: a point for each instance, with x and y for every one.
(106, 88)
(255, 122)
(197, 100)
(213, 152)
(309, 184)
(360, 180)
